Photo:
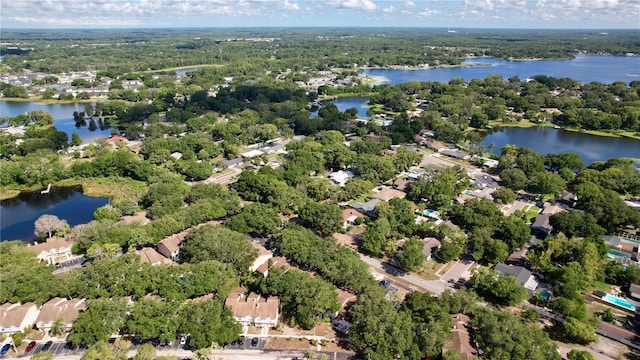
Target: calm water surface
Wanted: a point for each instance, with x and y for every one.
(585, 68)
(350, 102)
(63, 118)
(547, 140)
(18, 214)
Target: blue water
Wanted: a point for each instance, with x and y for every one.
(350, 102)
(585, 68)
(63, 118)
(619, 301)
(614, 253)
(17, 215)
(547, 140)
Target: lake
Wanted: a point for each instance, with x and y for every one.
(547, 140)
(585, 68)
(63, 118)
(343, 104)
(18, 214)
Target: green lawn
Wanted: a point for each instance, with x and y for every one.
(532, 211)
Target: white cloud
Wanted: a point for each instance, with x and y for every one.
(389, 10)
(290, 6)
(428, 12)
(366, 5)
(409, 4)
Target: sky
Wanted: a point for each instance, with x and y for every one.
(452, 14)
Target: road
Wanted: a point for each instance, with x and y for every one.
(223, 179)
(435, 287)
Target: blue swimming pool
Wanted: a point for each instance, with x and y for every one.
(615, 253)
(619, 302)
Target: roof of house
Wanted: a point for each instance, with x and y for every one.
(634, 290)
(387, 193)
(341, 176)
(252, 153)
(521, 274)
(542, 221)
(140, 216)
(429, 244)
(233, 162)
(551, 209)
(276, 262)
(61, 309)
(114, 139)
(401, 184)
(51, 244)
(172, 242)
(348, 213)
(253, 305)
(461, 341)
(12, 315)
(367, 206)
(150, 256)
(345, 297)
(261, 249)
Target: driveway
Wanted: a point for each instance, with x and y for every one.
(458, 270)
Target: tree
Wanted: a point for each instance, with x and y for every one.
(450, 250)
(208, 322)
(102, 318)
(514, 179)
(145, 352)
(152, 318)
(24, 277)
(578, 332)
(104, 351)
(256, 219)
(504, 195)
(48, 225)
(218, 243)
(325, 218)
(411, 256)
(504, 290)
(544, 183)
(75, 139)
(580, 355)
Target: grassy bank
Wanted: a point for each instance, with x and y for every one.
(39, 100)
(115, 187)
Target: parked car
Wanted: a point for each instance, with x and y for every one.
(4, 349)
(183, 340)
(31, 346)
(70, 346)
(254, 342)
(241, 340)
(47, 345)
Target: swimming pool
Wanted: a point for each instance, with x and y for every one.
(619, 302)
(428, 212)
(615, 253)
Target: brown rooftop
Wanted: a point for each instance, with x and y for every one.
(461, 340)
(253, 306)
(12, 315)
(276, 262)
(172, 243)
(261, 249)
(61, 309)
(387, 193)
(150, 256)
(51, 244)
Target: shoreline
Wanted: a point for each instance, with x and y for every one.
(529, 124)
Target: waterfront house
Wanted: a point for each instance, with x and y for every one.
(54, 250)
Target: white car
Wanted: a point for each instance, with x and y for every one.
(183, 340)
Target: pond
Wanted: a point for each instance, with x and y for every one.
(18, 214)
(547, 140)
(584, 68)
(89, 130)
(343, 104)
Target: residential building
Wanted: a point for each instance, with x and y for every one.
(386, 193)
(461, 340)
(53, 250)
(59, 309)
(233, 162)
(522, 275)
(114, 140)
(349, 217)
(368, 207)
(431, 245)
(252, 153)
(341, 177)
(254, 309)
(170, 247)
(541, 225)
(263, 256)
(455, 153)
(274, 262)
(14, 318)
(150, 256)
(552, 209)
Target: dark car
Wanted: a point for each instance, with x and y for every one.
(31, 346)
(254, 342)
(241, 340)
(4, 349)
(69, 346)
(47, 345)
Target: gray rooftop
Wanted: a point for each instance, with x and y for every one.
(521, 274)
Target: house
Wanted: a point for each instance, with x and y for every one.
(568, 198)
(386, 193)
(345, 299)
(263, 256)
(176, 155)
(341, 177)
(552, 209)
(613, 241)
(431, 245)
(634, 291)
(368, 207)
(54, 250)
(456, 153)
(274, 262)
(461, 340)
(518, 257)
(59, 309)
(233, 162)
(483, 180)
(150, 256)
(14, 318)
(140, 217)
(435, 145)
(401, 184)
(541, 225)
(252, 154)
(349, 217)
(115, 139)
(170, 246)
(522, 275)
(415, 175)
(254, 309)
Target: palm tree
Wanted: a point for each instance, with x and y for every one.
(56, 328)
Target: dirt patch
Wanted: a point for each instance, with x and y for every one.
(301, 344)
